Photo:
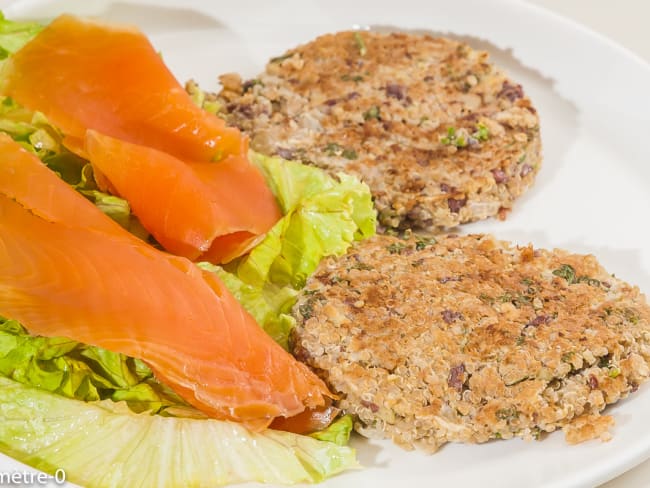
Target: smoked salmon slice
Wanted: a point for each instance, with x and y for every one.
(198, 210)
(84, 74)
(24, 178)
(119, 106)
(82, 276)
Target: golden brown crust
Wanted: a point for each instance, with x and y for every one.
(470, 339)
(380, 106)
(587, 427)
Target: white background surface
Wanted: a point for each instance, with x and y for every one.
(623, 21)
(626, 22)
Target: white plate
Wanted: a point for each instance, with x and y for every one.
(592, 195)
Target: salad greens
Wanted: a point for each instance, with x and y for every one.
(105, 444)
(322, 217)
(338, 432)
(76, 370)
(63, 402)
(14, 35)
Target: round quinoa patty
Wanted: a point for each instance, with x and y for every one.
(471, 339)
(440, 135)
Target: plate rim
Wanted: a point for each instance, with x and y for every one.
(548, 16)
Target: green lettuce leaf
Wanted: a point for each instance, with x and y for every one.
(269, 305)
(207, 101)
(322, 217)
(14, 35)
(50, 432)
(30, 129)
(79, 371)
(338, 432)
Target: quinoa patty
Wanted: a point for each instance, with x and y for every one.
(471, 339)
(440, 135)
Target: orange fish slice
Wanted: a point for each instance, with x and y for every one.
(24, 178)
(93, 282)
(213, 211)
(88, 75)
(118, 105)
